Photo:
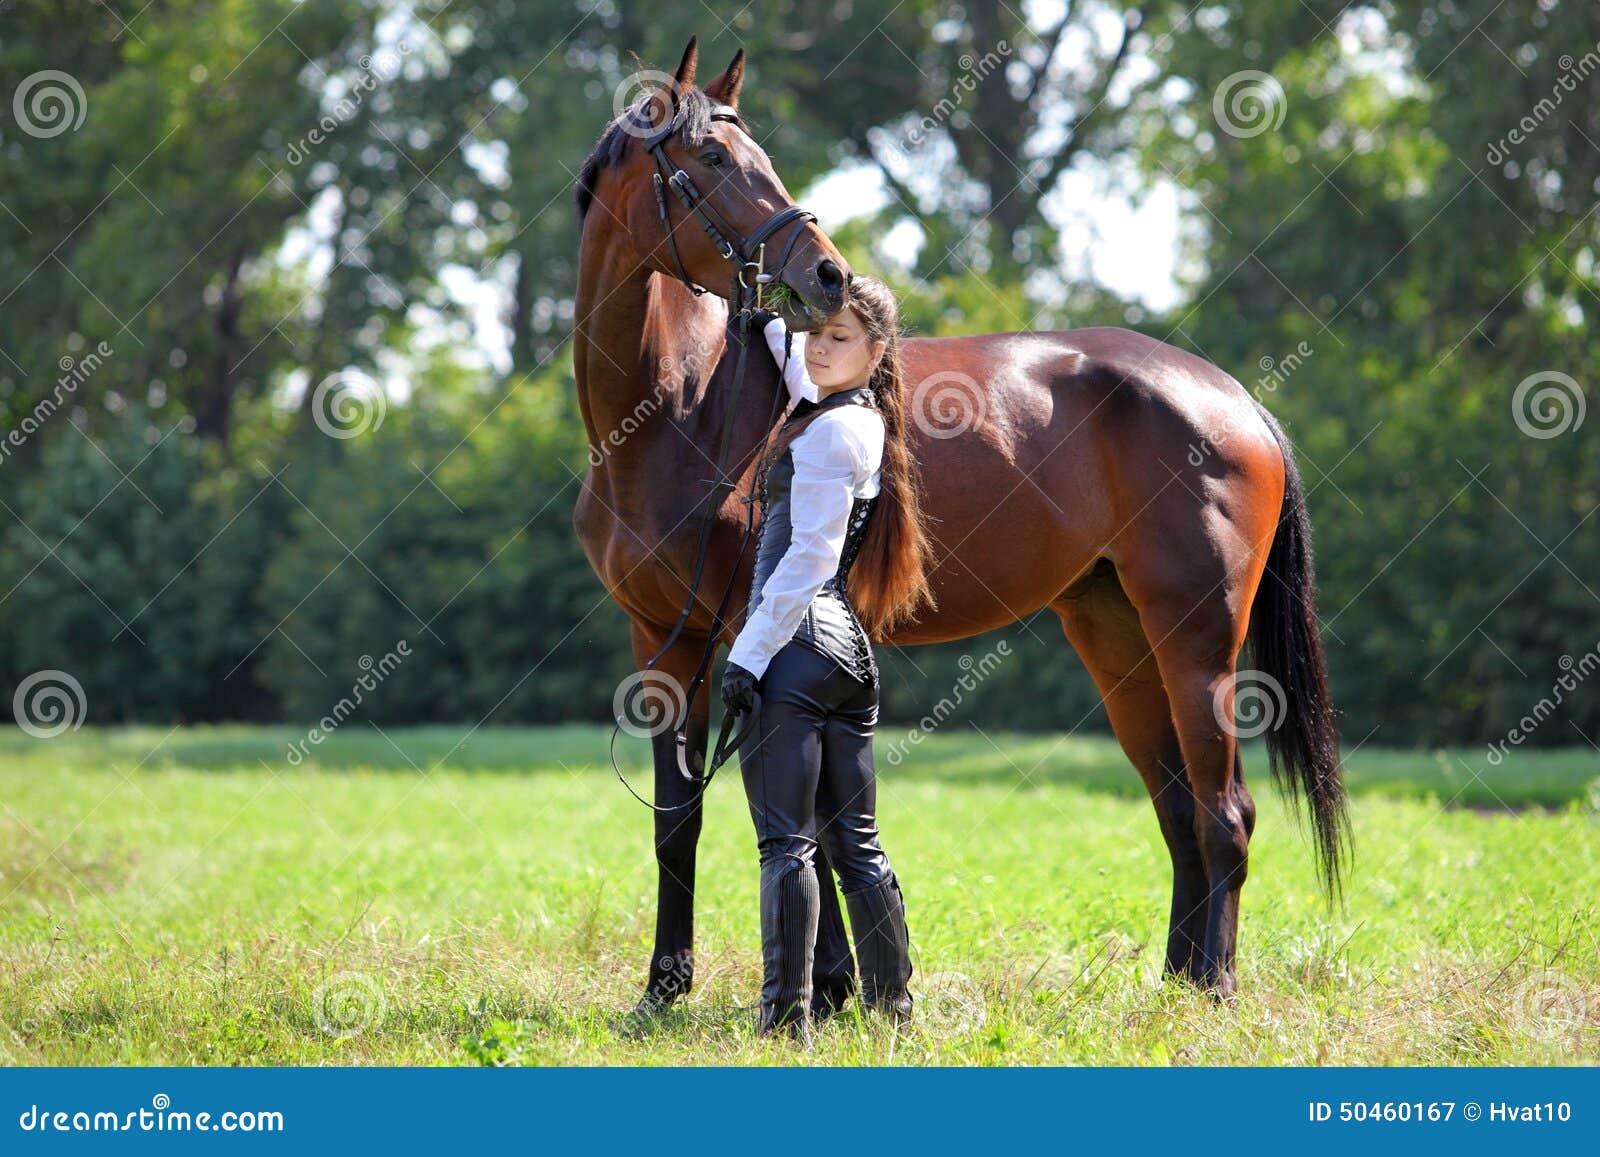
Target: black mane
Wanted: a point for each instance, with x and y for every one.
(691, 119)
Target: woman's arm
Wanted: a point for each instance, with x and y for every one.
(795, 378)
(830, 460)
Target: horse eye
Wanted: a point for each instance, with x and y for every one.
(714, 159)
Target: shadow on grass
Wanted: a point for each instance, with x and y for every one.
(958, 756)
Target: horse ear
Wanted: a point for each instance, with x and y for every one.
(684, 77)
(664, 101)
(725, 88)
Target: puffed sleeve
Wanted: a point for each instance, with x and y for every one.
(795, 378)
(828, 463)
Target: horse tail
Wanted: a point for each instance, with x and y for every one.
(1286, 646)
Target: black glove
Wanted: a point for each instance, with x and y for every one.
(738, 689)
(759, 319)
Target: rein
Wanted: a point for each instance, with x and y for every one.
(747, 254)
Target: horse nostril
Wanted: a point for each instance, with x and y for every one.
(831, 278)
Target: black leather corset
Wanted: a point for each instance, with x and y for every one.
(830, 624)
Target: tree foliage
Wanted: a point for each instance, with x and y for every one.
(1388, 213)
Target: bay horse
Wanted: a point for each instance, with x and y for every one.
(1138, 491)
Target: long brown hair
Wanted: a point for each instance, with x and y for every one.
(889, 578)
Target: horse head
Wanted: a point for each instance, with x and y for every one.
(698, 196)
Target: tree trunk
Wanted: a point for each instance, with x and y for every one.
(214, 407)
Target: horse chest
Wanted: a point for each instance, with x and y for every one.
(644, 570)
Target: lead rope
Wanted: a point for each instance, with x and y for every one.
(742, 293)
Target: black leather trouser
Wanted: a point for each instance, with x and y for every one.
(808, 776)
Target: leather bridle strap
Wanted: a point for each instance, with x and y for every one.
(744, 252)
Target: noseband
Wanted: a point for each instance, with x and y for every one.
(745, 252)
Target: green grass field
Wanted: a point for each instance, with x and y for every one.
(429, 897)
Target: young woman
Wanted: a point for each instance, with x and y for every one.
(841, 557)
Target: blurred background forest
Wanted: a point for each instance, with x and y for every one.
(287, 291)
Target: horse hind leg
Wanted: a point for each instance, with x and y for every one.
(1104, 629)
(1196, 630)
(1201, 694)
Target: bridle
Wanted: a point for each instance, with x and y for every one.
(748, 255)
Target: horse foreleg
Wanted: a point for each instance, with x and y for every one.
(677, 831)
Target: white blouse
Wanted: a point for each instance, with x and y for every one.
(837, 458)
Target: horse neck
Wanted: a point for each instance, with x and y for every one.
(644, 352)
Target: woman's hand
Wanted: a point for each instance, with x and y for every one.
(759, 319)
(738, 689)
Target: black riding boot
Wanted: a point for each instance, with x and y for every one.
(790, 902)
(883, 947)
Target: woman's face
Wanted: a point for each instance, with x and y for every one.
(839, 356)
